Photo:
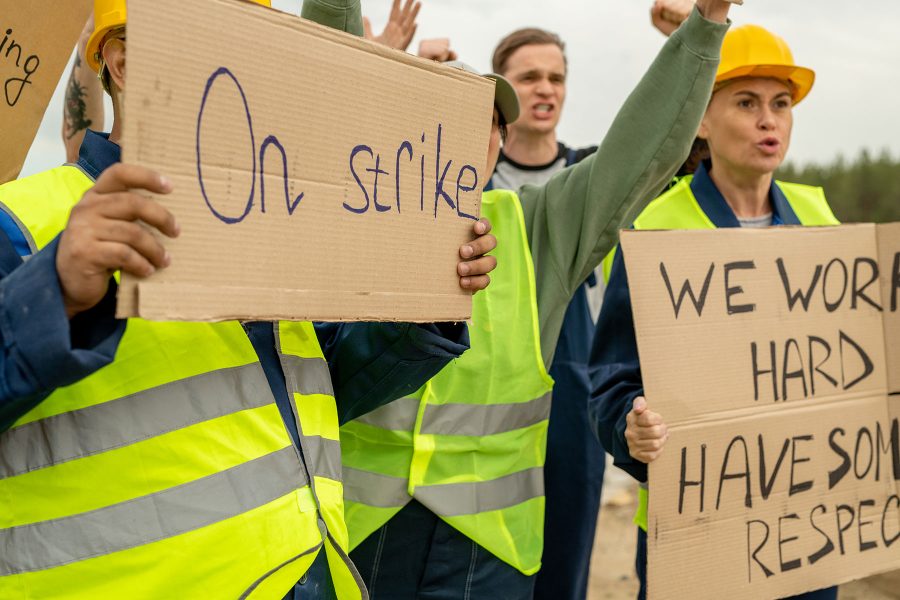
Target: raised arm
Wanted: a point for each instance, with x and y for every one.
(83, 106)
(345, 15)
(573, 220)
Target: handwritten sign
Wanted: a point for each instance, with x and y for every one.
(764, 352)
(317, 175)
(36, 39)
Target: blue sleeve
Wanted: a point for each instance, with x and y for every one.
(615, 371)
(374, 363)
(42, 348)
(14, 234)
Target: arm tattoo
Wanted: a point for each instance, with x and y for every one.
(75, 105)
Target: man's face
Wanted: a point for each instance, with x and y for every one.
(538, 72)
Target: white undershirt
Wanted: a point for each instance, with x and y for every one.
(757, 222)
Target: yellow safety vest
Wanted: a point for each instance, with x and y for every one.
(470, 445)
(677, 208)
(169, 473)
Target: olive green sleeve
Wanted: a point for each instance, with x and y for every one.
(345, 15)
(574, 219)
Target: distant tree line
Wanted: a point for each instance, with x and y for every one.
(866, 189)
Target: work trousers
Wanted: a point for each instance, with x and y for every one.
(640, 566)
(573, 482)
(417, 556)
(576, 461)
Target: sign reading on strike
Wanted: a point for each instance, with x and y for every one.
(317, 175)
(36, 39)
(772, 356)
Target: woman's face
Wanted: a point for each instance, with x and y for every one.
(748, 126)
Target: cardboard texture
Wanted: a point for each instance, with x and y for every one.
(36, 39)
(317, 175)
(781, 470)
(889, 256)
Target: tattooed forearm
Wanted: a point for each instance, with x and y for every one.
(83, 105)
(76, 107)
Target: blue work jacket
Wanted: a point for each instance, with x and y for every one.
(614, 368)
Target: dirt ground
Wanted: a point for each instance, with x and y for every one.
(612, 568)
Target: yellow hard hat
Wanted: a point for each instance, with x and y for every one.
(110, 15)
(751, 51)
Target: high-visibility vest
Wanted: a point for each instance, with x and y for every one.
(677, 208)
(169, 473)
(470, 445)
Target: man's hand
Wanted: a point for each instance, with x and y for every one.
(474, 268)
(103, 235)
(437, 49)
(715, 10)
(645, 432)
(667, 15)
(400, 28)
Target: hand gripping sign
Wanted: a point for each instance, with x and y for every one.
(316, 175)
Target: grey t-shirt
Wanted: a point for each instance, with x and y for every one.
(758, 222)
(510, 175)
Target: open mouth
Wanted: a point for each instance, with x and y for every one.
(769, 145)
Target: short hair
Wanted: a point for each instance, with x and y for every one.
(503, 125)
(530, 36)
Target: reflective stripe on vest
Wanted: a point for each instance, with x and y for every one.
(169, 472)
(470, 445)
(47, 198)
(678, 209)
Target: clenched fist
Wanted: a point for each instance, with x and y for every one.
(645, 432)
(667, 15)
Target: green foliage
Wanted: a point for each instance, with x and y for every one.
(865, 190)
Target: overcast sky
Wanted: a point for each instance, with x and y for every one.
(853, 47)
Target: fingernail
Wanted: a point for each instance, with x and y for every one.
(480, 227)
(465, 282)
(467, 251)
(167, 258)
(151, 270)
(177, 229)
(165, 183)
(464, 268)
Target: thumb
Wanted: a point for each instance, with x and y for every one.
(367, 28)
(639, 405)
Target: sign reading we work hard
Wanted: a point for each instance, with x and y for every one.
(36, 40)
(773, 357)
(317, 175)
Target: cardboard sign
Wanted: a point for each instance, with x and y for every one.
(764, 353)
(36, 40)
(317, 175)
(889, 257)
